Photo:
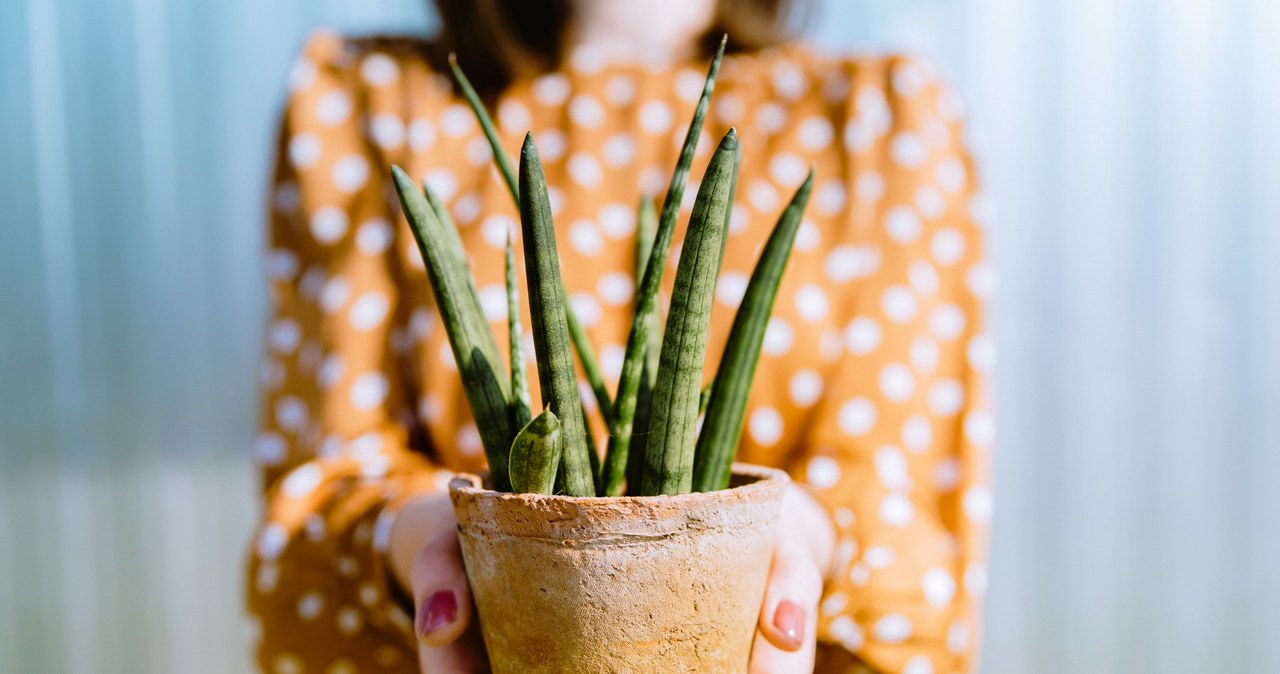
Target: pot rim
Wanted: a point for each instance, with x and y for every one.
(765, 479)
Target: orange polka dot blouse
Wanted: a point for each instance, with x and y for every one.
(871, 388)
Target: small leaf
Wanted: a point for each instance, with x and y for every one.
(535, 455)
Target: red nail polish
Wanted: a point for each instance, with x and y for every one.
(439, 610)
(789, 618)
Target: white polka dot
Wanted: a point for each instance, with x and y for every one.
(847, 633)
(947, 246)
(585, 170)
(903, 224)
(586, 111)
(618, 150)
(422, 134)
(333, 108)
(269, 448)
(917, 433)
(834, 603)
(908, 150)
(823, 472)
(908, 79)
(271, 541)
(878, 557)
(584, 238)
(951, 175)
(456, 120)
(302, 74)
(765, 426)
(328, 224)
(368, 391)
(688, 85)
(891, 468)
(496, 228)
(368, 310)
(587, 59)
(860, 135)
(946, 475)
(829, 199)
(806, 388)
(981, 280)
(939, 587)
(981, 353)
(280, 265)
(334, 295)
(892, 628)
(291, 413)
(387, 130)
(287, 663)
(373, 237)
(302, 481)
(513, 116)
(469, 441)
(551, 144)
(304, 150)
(551, 89)
(493, 302)
(978, 504)
(617, 220)
(349, 621)
(789, 81)
(857, 417)
(350, 173)
(946, 397)
(815, 133)
(778, 337)
(283, 336)
(379, 70)
(811, 303)
(729, 107)
(478, 151)
(808, 236)
(611, 359)
(787, 169)
(980, 428)
(442, 183)
(920, 664)
(899, 304)
(869, 186)
(620, 90)
(655, 117)
(896, 510)
(555, 198)
(947, 321)
(615, 288)
(923, 277)
(762, 196)
(924, 354)
(330, 372)
(731, 287)
(586, 308)
(310, 605)
(771, 117)
(652, 180)
(958, 637)
(975, 579)
(862, 336)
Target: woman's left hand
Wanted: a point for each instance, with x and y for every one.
(786, 637)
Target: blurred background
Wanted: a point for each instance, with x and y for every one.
(1133, 147)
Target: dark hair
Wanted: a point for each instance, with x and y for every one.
(498, 41)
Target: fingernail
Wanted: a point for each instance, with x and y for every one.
(789, 618)
(439, 610)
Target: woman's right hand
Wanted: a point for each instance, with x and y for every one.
(426, 559)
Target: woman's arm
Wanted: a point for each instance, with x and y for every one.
(334, 443)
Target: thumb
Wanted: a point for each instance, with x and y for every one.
(440, 591)
(786, 641)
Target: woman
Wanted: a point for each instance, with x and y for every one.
(870, 390)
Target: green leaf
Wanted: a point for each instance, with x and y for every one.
(472, 341)
(552, 343)
(673, 418)
(515, 348)
(535, 455)
(647, 295)
(726, 409)
(486, 125)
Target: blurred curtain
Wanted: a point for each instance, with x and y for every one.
(1133, 147)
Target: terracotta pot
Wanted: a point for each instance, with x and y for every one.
(628, 584)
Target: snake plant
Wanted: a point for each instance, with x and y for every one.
(654, 445)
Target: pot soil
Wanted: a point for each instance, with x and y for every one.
(620, 584)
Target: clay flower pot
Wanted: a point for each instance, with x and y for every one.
(623, 584)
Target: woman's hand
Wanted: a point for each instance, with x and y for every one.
(426, 559)
(786, 638)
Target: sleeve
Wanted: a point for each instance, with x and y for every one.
(900, 448)
(334, 445)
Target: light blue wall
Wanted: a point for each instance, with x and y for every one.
(1134, 148)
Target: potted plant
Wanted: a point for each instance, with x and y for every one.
(655, 557)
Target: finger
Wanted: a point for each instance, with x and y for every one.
(786, 638)
(464, 656)
(440, 592)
